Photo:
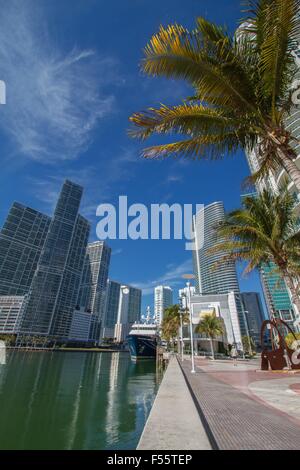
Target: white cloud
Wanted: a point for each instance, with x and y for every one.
(172, 277)
(173, 178)
(54, 99)
(98, 181)
(117, 252)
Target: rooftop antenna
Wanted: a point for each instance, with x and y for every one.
(148, 316)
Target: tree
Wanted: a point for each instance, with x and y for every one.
(290, 340)
(8, 339)
(241, 88)
(211, 326)
(171, 322)
(264, 231)
(248, 344)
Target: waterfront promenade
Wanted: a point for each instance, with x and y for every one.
(174, 423)
(236, 408)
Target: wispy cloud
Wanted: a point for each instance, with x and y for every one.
(54, 99)
(117, 252)
(98, 181)
(173, 178)
(172, 277)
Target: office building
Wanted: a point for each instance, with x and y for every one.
(55, 286)
(21, 241)
(212, 275)
(71, 278)
(277, 296)
(254, 314)
(278, 299)
(94, 284)
(163, 298)
(111, 309)
(80, 326)
(11, 312)
(129, 311)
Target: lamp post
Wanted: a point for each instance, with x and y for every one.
(248, 334)
(181, 334)
(188, 277)
(247, 328)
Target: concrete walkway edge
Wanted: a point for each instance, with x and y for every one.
(205, 424)
(174, 422)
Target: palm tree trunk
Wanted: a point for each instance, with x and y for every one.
(212, 348)
(290, 167)
(294, 292)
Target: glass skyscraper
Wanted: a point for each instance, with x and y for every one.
(123, 308)
(94, 284)
(129, 311)
(275, 290)
(254, 314)
(212, 275)
(21, 241)
(276, 295)
(111, 309)
(209, 278)
(70, 285)
(134, 305)
(55, 285)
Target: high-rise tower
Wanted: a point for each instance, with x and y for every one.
(209, 279)
(21, 241)
(163, 298)
(214, 276)
(94, 284)
(55, 285)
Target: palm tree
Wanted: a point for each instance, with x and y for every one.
(248, 344)
(241, 88)
(172, 322)
(211, 326)
(264, 231)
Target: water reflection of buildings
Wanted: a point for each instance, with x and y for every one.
(2, 353)
(130, 397)
(73, 400)
(144, 380)
(2, 361)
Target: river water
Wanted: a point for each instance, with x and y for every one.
(74, 400)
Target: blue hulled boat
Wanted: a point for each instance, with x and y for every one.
(142, 341)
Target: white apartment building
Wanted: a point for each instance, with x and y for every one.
(129, 311)
(163, 298)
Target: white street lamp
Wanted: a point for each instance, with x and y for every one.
(190, 276)
(181, 334)
(247, 328)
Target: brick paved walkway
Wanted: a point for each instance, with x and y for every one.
(235, 419)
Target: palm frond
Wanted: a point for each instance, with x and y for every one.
(183, 119)
(275, 25)
(208, 146)
(174, 52)
(263, 231)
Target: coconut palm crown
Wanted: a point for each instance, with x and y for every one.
(264, 231)
(241, 88)
(171, 322)
(212, 326)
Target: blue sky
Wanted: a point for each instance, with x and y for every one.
(72, 73)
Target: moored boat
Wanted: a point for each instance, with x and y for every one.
(142, 341)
